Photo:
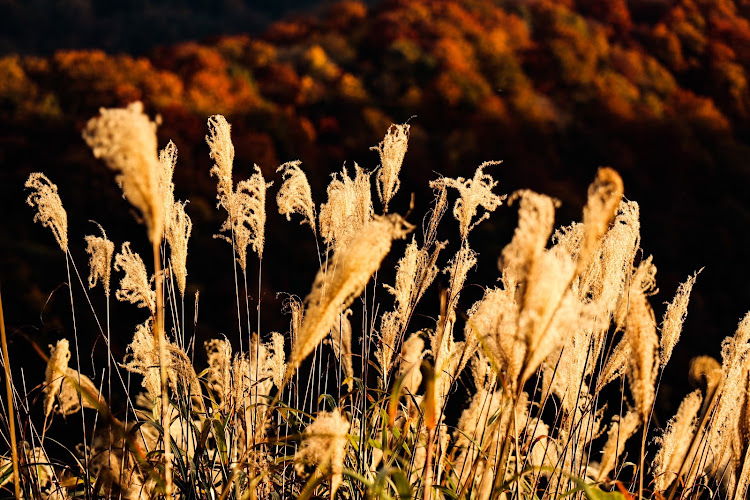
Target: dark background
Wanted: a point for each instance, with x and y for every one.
(656, 89)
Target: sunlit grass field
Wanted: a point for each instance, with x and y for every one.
(543, 388)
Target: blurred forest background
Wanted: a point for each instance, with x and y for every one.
(657, 89)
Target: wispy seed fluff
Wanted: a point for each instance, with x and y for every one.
(536, 218)
(675, 441)
(415, 272)
(50, 211)
(178, 233)
(324, 446)
(247, 216)
(100, 251)
(167, 163)
(222, 152)
(219, 375)
(294, 196)
(604, 197)
(619, 432)
(392, 150)
(347, 275)
(177, 222)
(473, 193)
(641, 334)
(126, 140)
(245, 203)
(143, 359)
(674, 317)
(348, 209)
(135, 286)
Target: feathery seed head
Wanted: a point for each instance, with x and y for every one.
(412, 353)
(341, 343)
(219, 376)
(705, 373)
(473, 193)
(135, 286)
(167, 162)
(349, 207)
(346, 278)
(247, 216)
(547, 311)
(100, 251)
(640, 332)
(126, 140)
(619, 432)
(50, 211)
(674, 317)
(464, 260)
(294, 196)
(607, 281)
(324, 446)
(179, 227)
(57, 367)
(536, 217)
(219, 141)
(604, 196)
(675, 441)
(392, 150)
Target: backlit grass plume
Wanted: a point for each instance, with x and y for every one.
(294, 195)
(100, 250)
(350, 271)
(245, 203)
(125, 138)
(349, 207)
(135, 286)
(392, 150)
(50, 211)
(474, 192)
(536, 390)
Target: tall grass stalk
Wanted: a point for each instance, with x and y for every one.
(11, 408)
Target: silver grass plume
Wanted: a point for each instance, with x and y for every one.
(179, 227)
(126, 140)
(341, 343)
(135, 286)
(219, 375)
(347, 276)
(324, 446)
(294, 195)
(675, 441)
(246, 203)
(619, 432)
(674, 317)
(536, 218)
(349, 207)
(143, 359)
(392, 150)
(473, 193)
(642, 365)
(415, 272)
(177, 222)
(100, 250)
(604, 197)
(50, 211)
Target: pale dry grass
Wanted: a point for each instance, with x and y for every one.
(513, 398)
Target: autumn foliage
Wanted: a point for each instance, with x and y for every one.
(659, 90)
